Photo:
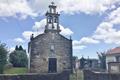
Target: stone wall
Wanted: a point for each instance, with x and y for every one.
(90, 75)
(53, 76)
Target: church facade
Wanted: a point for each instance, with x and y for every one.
(50, 52)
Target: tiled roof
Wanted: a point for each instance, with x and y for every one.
(113, 51)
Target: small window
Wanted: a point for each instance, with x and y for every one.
(52, 48)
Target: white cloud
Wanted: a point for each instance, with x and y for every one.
(114, 16)
(76, 6)
(19, 40)
(87, 6)
(88, 40)
(77, 45)
(81, 44)
(102, 30)
(106, 30)
(85, 41)
(27, 34)
(39, 27)
(66, 31)
(25, 8)
(81, 47)
(15, 8)
(11, 49)
(107, 33)
(41, 6)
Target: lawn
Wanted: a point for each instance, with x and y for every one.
(15, 71)
(75, 76)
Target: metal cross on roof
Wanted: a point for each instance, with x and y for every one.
(52, 3)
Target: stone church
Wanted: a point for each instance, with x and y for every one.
(50, 52)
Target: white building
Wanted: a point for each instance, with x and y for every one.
(113, 60)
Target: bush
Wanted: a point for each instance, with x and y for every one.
(19, 58)
(8, 66)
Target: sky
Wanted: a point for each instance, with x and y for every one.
(93, 24)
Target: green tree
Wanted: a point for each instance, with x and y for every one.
(3, 57)
(16, 48)
(19, 58)
(102, 58)
(20, 48)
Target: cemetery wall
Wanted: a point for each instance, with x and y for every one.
(91, 75)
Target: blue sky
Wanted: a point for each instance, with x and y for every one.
(93, 24)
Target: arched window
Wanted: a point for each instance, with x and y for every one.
(50, 19)
(55, 19)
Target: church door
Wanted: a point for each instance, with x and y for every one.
(52, 67)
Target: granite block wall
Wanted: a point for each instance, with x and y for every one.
(53, 76)
(90, 75)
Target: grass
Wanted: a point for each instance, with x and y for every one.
(15, 71)
(77, 76)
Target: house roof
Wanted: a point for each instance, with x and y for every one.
(113, 51)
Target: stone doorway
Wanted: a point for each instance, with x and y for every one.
(52, 65)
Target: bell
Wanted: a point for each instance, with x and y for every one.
(55, 20)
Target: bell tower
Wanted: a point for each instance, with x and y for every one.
(52, 19)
